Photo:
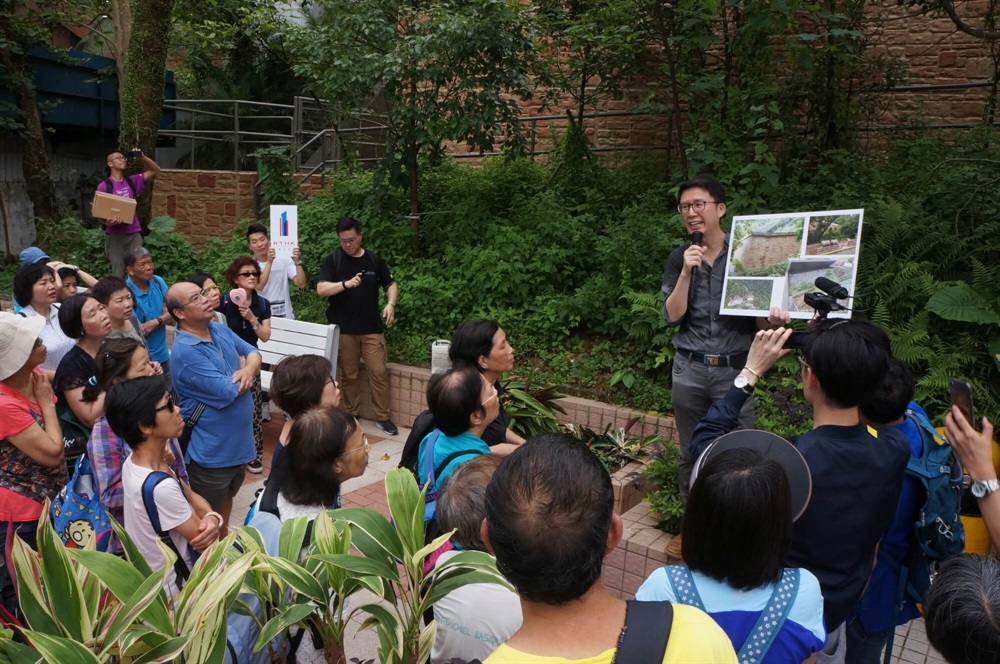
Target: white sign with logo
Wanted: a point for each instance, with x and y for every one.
(284, 229)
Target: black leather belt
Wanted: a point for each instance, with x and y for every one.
(737, 360)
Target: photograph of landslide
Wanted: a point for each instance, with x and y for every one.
(763, 247)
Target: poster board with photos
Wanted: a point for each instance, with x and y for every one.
(774, 260)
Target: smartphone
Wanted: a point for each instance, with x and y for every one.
(961, 396)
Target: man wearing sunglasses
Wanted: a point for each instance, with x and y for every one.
(711, 348)
(351, 278)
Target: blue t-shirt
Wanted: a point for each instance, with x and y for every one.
(203, 372)
(149, 306)
(737, 611)
(877, 604)
(445, 446)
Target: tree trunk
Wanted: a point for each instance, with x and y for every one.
(333, 651)
(142, 91)
(121, 19)
(35, 164)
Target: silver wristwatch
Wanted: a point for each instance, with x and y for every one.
(743, 383)
(983, 488)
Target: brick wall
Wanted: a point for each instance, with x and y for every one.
(208, 204)
(761, 251)
(408, 398)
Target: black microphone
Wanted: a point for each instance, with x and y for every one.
(832, 288)
(696, 238)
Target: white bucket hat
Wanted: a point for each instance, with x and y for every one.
(17, 338)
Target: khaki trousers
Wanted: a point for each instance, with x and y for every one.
(371, 348)
(115, 247)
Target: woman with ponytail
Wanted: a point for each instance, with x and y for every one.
(119, 360)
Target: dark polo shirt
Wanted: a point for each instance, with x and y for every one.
(703, 329)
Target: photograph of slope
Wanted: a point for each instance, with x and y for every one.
(763, 247)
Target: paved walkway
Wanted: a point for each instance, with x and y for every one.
(910, 645)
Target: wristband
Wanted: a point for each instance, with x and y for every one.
(218, 516)
(159, 321)
(343, 284)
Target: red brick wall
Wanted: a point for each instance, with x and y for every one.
(208, 204)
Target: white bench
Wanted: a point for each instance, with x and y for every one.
(294, 337)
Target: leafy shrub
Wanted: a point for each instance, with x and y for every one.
(665, 500)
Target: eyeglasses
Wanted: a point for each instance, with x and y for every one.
(197, 297)
(697, 206)
(169, 406)
(333, 382)
(350, 240)
(365, 445)
(210, 289)
(250, 274)
(803, 363)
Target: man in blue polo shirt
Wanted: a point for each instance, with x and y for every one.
(148, 294)
(215, 368)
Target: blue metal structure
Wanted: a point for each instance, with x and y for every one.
(78, 90)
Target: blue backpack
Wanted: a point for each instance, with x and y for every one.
(77, 514)
(938, 533)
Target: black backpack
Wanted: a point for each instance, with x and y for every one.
(108, 188)
(422, 425)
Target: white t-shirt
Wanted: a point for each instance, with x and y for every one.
(56, 342)
(472, 621)
(173, 509)
(275, 290)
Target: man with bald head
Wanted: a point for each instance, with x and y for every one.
(213, 370)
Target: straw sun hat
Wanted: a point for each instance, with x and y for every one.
(17, 338)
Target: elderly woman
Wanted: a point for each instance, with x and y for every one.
(115, 295)
(251, 322)
(483, 344)
(85, 319)
(36, 289)
(299, 384)
(31, 444)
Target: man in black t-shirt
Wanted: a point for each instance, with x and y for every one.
(350, 277)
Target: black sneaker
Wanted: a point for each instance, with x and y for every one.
(256, 467)
(388, 427)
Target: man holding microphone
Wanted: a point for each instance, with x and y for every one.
(711, 348)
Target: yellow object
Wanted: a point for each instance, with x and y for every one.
(977, 539)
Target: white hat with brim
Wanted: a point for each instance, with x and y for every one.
(17, 338)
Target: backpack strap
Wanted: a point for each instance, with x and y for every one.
(771, 619)
(148, 487)
(646, 632)
(451, 457)
(682, 583)
(108, 187)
